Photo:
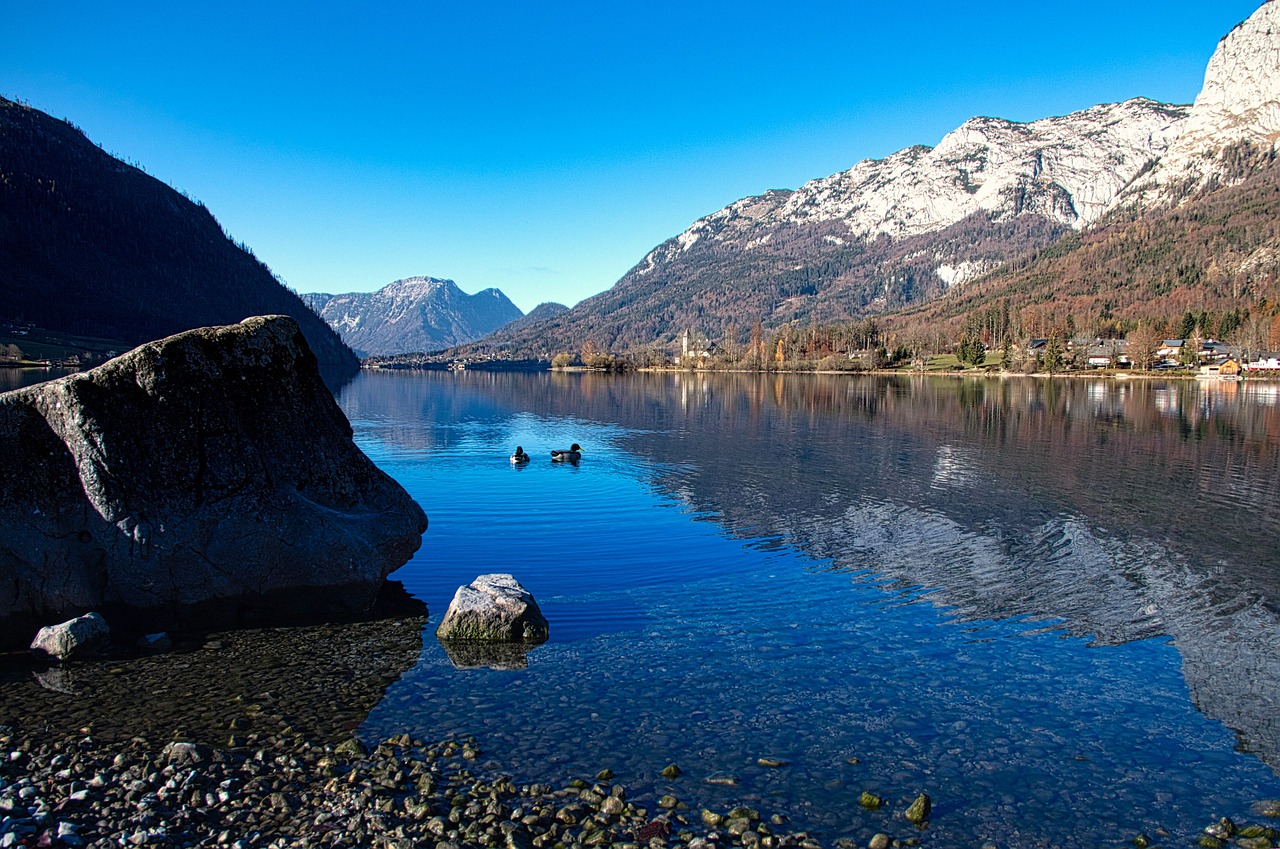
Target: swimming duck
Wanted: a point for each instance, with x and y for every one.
(573, 455)
(519, 457)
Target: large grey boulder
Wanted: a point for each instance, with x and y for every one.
(79, 637)
(493, 607)
(210, 475)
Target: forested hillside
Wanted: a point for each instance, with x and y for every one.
(92, 246)
(1216, 255)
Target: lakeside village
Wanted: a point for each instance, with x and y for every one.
(26, 346)
(1189, 357)
(790, 349)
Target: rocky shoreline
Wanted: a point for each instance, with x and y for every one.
(245, 739)
(405, 793)
(84, 792)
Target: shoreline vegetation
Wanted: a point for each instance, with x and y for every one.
(929, 371)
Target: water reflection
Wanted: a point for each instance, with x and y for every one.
(468, 654)
(1113, 510)
(17, 378)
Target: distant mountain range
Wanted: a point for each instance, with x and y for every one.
(996, 201)
(414, 314)
(90, 246)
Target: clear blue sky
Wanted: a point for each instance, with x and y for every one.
(544, 148)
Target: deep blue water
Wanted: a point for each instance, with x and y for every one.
(1051, 606)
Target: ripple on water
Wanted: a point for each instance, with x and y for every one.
(1034, 670)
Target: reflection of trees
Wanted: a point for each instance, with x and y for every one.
(1192, 464)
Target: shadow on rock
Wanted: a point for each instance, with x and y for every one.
(316, 682)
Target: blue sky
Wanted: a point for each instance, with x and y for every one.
(544, 148)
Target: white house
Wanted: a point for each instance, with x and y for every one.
(1264, 362)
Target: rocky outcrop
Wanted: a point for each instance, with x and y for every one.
(494, 608)
(207, 476)
(1238, 107)
(1068, 169)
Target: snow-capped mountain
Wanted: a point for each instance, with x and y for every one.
(1069, 170)
(414, 314)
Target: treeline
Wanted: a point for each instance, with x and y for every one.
(995, 336)
(846, 346)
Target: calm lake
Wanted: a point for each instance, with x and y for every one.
(1051, 605)
(1054, 606)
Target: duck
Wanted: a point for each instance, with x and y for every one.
(519, 457)
(573, 455)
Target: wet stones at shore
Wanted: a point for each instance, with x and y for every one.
(82, 791)
(493, 608)
(918, 811)
(315, 682)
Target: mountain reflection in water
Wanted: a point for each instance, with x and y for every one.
(1110, 510)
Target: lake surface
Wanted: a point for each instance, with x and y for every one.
(17, 378)
(1051, 605)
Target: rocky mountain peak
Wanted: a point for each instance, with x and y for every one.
(1239, 103)
(414, 314)
(1241, 94)
(418, 286)
(1067, 169)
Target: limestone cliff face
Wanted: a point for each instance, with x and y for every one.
(209, 474)
(1238, 104)
(1067, 169)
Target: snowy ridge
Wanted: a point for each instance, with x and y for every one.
(414, 314)
(1069, 169)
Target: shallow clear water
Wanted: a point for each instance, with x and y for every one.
(1050, 605)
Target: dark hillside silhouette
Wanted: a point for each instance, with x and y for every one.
(92, 246)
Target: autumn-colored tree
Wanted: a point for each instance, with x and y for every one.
(756, 353)
(1252, 335)
(1144, 342)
